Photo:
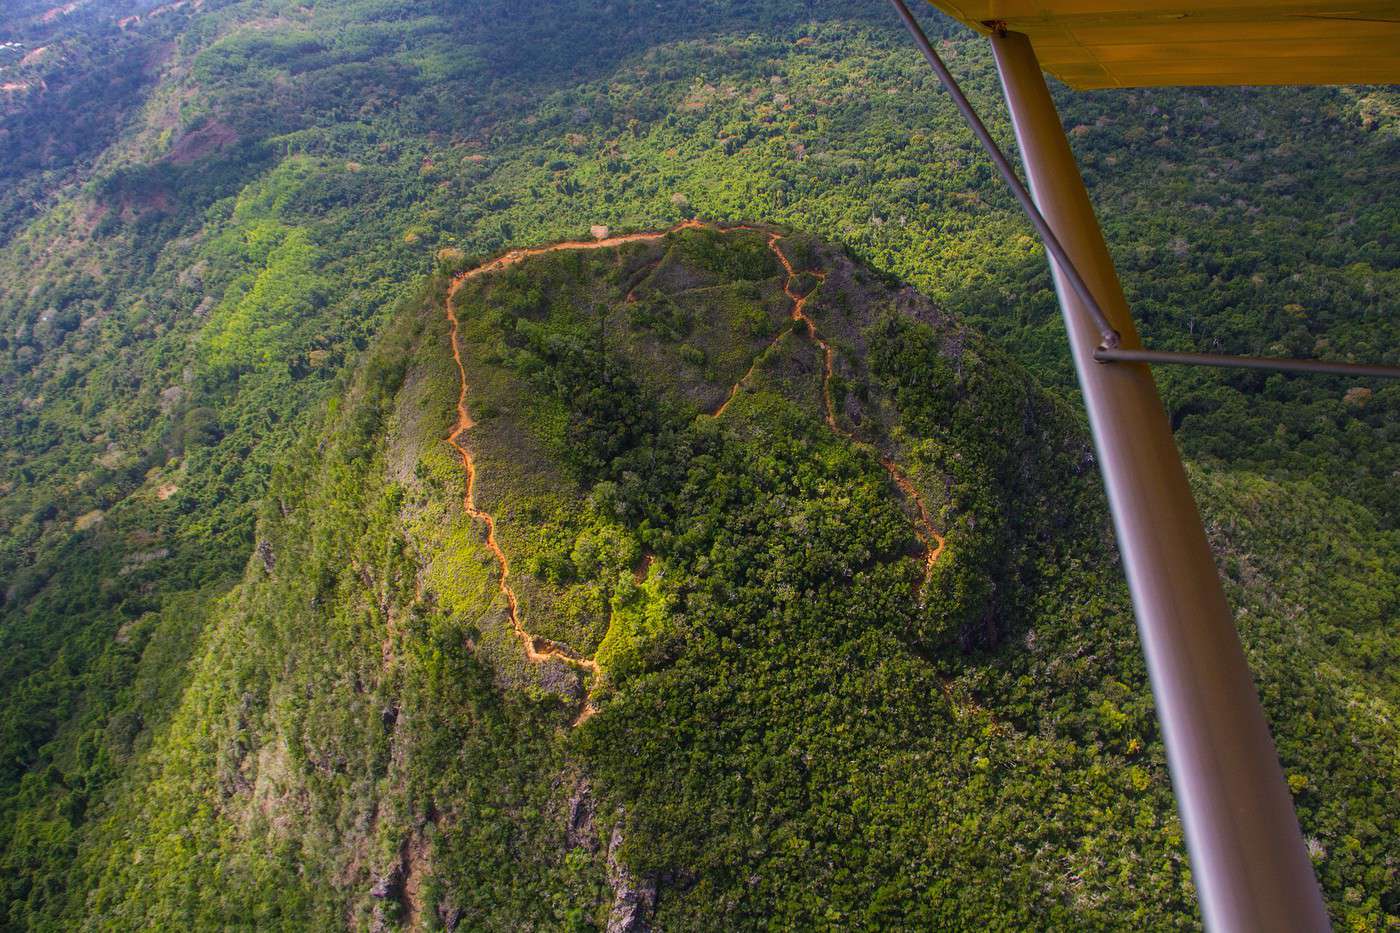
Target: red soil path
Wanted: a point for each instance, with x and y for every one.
(537, 648)
(933, 542)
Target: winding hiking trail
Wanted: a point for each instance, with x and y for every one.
(933, 542)
(539, 649)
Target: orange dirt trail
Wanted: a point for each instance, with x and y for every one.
(933, 542)
(537, 648)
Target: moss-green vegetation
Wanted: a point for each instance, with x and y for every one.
(787, 729)
(209, 215)
(338, 729)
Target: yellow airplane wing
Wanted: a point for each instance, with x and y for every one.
(1103, 43)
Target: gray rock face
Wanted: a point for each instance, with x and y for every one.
(269, 559)
(634, 898)
(450, 915)
(388, 884)
(579, 832)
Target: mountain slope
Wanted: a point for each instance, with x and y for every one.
(202, 249)
(785, 721)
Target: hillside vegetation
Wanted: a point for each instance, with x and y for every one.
(781, 718)
(254, 652)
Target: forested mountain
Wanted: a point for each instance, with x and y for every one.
(261, 661)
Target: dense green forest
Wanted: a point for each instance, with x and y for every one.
(253, 657)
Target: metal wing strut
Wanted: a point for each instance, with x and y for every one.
(1251, 869)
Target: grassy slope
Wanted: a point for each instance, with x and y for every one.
(785, 730)
(337, 726)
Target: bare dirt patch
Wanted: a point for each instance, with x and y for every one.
(199, 143)
(50, 15)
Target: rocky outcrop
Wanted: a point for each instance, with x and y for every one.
(449, 914)
(389, 884)
(579, 832)
(634, 899)
(265, 554)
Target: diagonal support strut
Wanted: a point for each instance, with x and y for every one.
(1251, 869)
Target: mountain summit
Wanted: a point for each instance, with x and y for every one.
(683, 577)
